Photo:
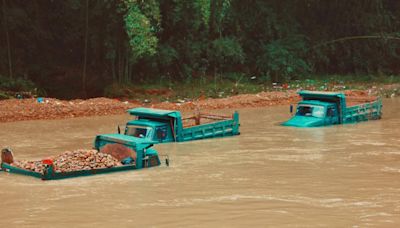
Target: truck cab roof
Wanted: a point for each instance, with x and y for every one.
(323, 93)
(134, 142)
(154, 113)
(145, 122)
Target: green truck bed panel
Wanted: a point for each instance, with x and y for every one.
(56, 176)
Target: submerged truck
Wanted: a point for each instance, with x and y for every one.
(162, 126)
(328, 108)
(116, 144)
(133, 153)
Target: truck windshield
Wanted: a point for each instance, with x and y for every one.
(311, 110)
(137, 131)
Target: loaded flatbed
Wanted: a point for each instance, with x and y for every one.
(138, 154)
(49, 173)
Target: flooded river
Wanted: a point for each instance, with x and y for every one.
(269, 176)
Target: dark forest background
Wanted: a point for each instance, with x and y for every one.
(78, 48)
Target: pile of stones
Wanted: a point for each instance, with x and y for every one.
(73, 161)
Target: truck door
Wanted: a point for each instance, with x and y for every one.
(331, 116)
(161, 133)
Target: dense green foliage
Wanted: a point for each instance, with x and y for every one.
(75, 48)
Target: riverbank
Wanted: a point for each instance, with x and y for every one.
(50, 108)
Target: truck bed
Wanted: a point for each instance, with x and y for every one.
(362, 108)
(63, 175)
(358, 100)
(202, 118)
(205, 125)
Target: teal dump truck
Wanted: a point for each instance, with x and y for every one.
(164, 126)
(146, 156)
(328, 108)
(117, 145)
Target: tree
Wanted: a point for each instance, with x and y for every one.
(5, 22)
(85, 49)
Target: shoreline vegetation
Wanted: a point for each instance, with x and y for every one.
(219, 86)
(185, 97)
(175, 50)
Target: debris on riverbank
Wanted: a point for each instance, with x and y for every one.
(50, 108)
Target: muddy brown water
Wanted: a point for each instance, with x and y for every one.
(269, 176)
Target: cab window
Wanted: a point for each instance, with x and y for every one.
(311, 110)
(330, 112)
(161, 133)
(136, 131)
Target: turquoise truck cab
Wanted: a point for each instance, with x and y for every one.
(151, 130)
(162, 126)
(329, 108)
(314, 113)
(145, 155)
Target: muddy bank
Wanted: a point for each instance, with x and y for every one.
(49, 108)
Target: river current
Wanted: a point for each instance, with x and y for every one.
(269, 176)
